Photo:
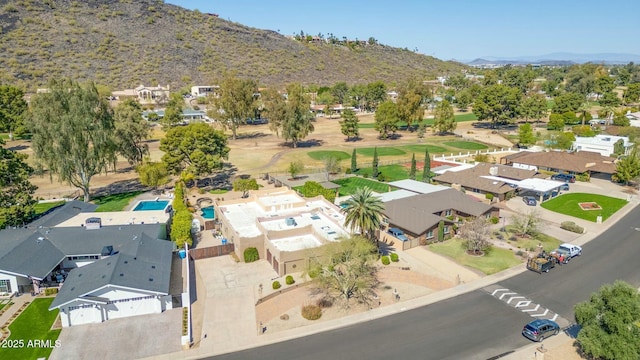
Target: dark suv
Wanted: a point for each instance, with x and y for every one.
(539, 329)
(568, 178)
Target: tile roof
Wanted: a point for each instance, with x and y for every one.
(577, 162)
(417, 213)
(472, 177)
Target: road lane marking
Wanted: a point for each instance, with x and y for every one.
(535, 309)
(498, 290)
(523, 303)
(514, 297)
(543, 314)
(503, 295)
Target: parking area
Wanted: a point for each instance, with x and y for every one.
(131, 338)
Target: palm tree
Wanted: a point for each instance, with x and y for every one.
(364, 212)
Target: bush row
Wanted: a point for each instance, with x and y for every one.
(181, 220)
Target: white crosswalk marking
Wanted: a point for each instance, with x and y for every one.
(514, 297)
(523, 304)
(505, 294)
(498, 290)
(534, 309)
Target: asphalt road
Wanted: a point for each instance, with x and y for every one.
(474, 325)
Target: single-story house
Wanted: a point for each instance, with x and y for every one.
(576, 162)
(145, 94)
(281, 225)
(605, 145)
(420, 217)
(200, 91)
(475, 179)
(101, 271)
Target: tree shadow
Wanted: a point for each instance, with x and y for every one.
(119, 187)
(250, 135)
(19, 147)
(304, 144)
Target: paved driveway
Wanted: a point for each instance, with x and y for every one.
(127, 338)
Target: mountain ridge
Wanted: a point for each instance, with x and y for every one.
(560, 57)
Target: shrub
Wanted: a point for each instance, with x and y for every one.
(251, 255)
(276, 285)
(50, 291)
(313, 189)
(382, 177)
(584, 177)
(311, 312)
(494, 220)
(394, 257)
(571, 226)
(324, 303)
(488, 196)
(385, 260)
(313, 273)
(348, 171)
(519, 253)
(289, 280)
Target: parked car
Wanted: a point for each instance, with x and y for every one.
(398, 234)
(569, 178)
(564, 187)
(530, 200)
(539, 329)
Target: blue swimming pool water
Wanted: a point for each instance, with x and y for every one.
(151, 205)
(208, 213)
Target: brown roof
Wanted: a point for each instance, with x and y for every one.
(577, 162)
(472, 178)
(417, 213)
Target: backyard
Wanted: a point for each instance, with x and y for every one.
(569, 204)
(350, 184)
(116, 202)
(33, 324)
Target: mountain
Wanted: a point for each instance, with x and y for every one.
(559, 58)
(125, 43)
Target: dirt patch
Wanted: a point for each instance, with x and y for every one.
(589, 206)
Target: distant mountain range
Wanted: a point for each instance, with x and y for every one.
(559, 58)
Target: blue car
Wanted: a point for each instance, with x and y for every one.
(398, 234)
(530, 200)
(539, 329)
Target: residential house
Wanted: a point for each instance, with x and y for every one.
(605, 145)
(153, 95)
(200, 91)
(634, 118)
(578, 162)
(420, 217)
(483, 179)
(281, 225)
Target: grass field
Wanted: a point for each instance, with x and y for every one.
(568, 204)
(218, 191)
(44, 207)
(494, 261)
(382, 151)
(115, 202)
(323, 154)
(466, 145)
(391, 172)
(419, 149)
(350, 184)
(33, 323)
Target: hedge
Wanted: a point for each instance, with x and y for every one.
(182, 219)
(571, 226)
(251, 255)
(312, 189)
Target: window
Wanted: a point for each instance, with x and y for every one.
(430, 234)
(446, 230)
(448, 212)
(5, 286)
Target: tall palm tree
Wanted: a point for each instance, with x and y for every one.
(364, 212)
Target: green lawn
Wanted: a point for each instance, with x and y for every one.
(323, 154)
(115, 202)
(350, 184)
(391, 172)
(40, 208)
(466, 145)
(218, 191)
(33, 324)
(568, 204)
(419, 150)
(494, 261)
(382, 151)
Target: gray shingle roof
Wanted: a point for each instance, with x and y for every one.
(34, 256)
(577, 162)
(472, 177)
(146, 265)
(417, 213)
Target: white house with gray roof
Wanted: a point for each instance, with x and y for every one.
(102, 272)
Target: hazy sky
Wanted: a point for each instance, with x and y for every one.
(450, 29)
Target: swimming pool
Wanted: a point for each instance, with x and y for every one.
(208, 213)
(145, 205)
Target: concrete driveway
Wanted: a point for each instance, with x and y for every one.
(127, 338)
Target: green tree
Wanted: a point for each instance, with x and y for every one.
(610, 99)
(533, 107)
(375, 94)
(412, 172)
(526, 224)
(363, 212)
(297, 123)
(196, 149)
(627, 168)
(556, 122)
(354, 161)
(331, 166)
(349, 124)
(12, 110)
(610, 323)
(498, 104)
(173, 111)
(274, 108)
(525, 134)
(72, 127)
(386, 119)
(340, 91)
(583, 130)
(564, 140)
(131, 131)
(567, 102)
(632, 94)
(426, 168)
(409, 102)
(245, 185)
(444, 120)
(16, 192)
(345, 270)
(374, 164)
(295, 168)
(153, 174)
(236, 102)
(464, 99)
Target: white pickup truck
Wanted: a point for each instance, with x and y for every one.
(567, 251)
